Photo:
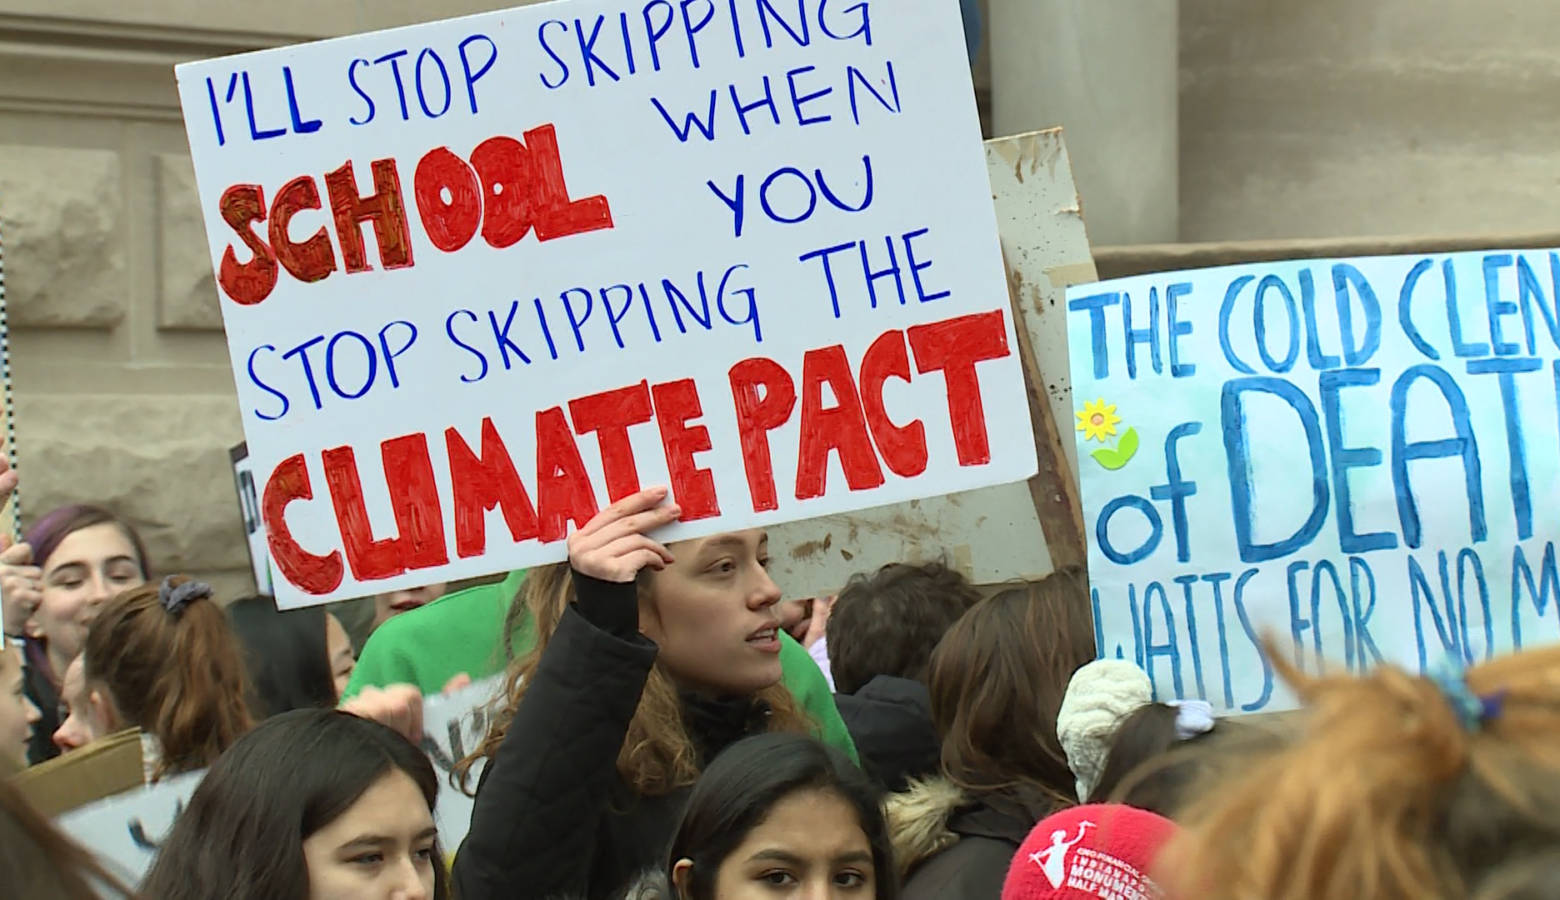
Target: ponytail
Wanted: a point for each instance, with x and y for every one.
(172, 667)
(1401, 786)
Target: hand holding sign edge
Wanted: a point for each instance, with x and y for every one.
(613, 545)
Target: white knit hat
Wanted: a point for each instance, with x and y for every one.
(1099, 697)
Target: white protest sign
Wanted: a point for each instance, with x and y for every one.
(454, 724)
(480, 277)
(1351, 456)
(249, 511)
(125, 830)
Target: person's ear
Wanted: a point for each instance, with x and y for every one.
(105, 717)
(682, 878)
(649, 615)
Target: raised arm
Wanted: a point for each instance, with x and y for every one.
(545, 793)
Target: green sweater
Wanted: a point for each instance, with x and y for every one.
(459, 633)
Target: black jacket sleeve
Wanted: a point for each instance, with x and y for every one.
(544, 795)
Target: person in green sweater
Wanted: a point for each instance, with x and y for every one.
(461, 634)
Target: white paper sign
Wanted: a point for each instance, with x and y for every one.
(482, 276)
(454, 724)
(1354, 457)
(125, 830)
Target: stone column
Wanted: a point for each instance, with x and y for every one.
(1107, 72)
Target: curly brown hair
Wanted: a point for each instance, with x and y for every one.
(1386, 794)
(658, 756)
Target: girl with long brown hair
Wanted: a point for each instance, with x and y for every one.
(1399, 787)
(649, 660)
(162, 658)
(997, 679)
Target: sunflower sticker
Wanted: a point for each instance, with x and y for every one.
(1098, 420)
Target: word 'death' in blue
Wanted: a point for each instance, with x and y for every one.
(1350, 458)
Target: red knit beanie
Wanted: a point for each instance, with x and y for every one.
(1100, 851)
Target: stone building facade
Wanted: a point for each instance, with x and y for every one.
(1187, 121)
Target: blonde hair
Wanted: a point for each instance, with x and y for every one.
(658, 756)
(1386, 794)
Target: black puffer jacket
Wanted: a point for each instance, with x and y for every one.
(890, 719)
(552, 817)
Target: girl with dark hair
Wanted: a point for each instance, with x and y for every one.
(650, 660)
(38, 862)
(162, 658)
(313, 804)
(782, 813)
(296, 658)
(997, 679)
(1158, 761)
(1123, 747)
(73, 561)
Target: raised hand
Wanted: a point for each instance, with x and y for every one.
(397, 706)
(613, 545)
(21, 583)
(818, 622)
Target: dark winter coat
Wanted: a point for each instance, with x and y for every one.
(890, 719)
(957, 846)
(552, 816)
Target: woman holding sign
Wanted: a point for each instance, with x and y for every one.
(649, 661)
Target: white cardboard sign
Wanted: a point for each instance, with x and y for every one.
(1351, 457)
(481, 277)
(125, 830)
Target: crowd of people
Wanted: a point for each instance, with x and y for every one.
(671, 726)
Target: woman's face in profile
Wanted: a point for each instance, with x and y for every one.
(713, 614)
(17, 713)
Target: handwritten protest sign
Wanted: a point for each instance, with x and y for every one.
(126, 830)
(1351, 456)
(481, 277)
